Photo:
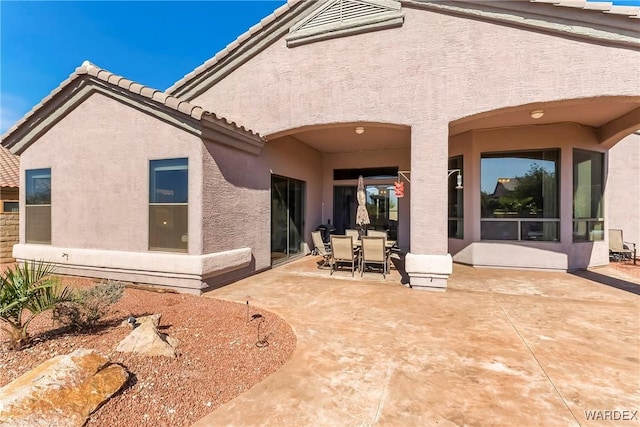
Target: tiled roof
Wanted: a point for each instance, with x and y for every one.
(241, 39)
(602, 6)
(182, 86)
(89, 69)
(9, 169)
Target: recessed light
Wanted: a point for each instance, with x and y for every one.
(359, 130)
(536, 114)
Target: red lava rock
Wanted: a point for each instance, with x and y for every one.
(218, 358)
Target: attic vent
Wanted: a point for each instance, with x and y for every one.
(338, 18)
(343, 11)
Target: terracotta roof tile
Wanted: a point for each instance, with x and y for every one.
(242, 38)
(602, 6)
(87, 68)
(9, 169)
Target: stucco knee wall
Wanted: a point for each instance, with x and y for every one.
(180, 272)
(509, 255)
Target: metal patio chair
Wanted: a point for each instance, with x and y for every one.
(321, 249)
(353, 233)
(619, 250)
(342, 252)
(374, 252)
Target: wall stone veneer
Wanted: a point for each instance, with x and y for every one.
(8, 235)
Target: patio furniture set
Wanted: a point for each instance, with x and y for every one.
(619, 249)
(355, 251)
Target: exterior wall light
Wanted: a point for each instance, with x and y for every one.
(359, 130)
(536, 114)
(458, 178)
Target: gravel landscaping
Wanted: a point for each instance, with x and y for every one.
(221, 355)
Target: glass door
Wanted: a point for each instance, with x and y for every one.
(287, 218)
(382, 205)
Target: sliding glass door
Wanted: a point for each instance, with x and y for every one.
(287, 218)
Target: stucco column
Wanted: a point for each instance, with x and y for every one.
(429, 264)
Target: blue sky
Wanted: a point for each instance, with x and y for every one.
(152, 42)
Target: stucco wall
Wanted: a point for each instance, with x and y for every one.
(287, 157)
(99, 158)
(435, 69)
(236, 211)
(623, 188)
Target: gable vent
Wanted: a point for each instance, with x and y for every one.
(342, 11)
(338, 18)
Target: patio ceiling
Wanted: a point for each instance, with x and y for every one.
(612, 117)
(600, 113)
(343, 138)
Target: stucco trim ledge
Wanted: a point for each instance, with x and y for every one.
(428, 272)
(181, 272)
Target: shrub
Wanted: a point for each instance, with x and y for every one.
(86, 307)
(26, 291)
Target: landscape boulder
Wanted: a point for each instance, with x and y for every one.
(62, 391)
(145, 339)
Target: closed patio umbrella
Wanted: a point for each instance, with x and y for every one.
(362, 216)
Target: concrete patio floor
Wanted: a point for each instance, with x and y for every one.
(499, 348)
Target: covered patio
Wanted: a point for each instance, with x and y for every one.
(500, 347)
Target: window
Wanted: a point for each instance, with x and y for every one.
(38, 206)
(11, 207)
(370, 173)
(588, 180)
(168, 205)
(519, 196)
(455, 206)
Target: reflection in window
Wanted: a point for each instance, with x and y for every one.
(168, 205)
(382, 206)
(588, 179)
(455, 206)
(38, 206)
(11, 207)
(519, 196)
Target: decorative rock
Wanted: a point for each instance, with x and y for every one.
(63, 391)
(145, 339)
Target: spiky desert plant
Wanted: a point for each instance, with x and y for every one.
(27, 291)
(86, 307)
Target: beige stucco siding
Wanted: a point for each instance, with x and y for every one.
(236, 200)
(435, 69)
(99, 158)
(623, 188)
(287, 157)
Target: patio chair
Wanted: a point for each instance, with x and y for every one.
(353, 233)
(342, 252)
(377, 233)
(619, 249)
(321, 249)
(374, 252)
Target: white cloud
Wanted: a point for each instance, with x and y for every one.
(12, 109)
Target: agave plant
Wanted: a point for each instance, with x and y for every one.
(27, 291)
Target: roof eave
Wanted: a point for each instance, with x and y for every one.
(545, 15)
(246, 46)
(89, 79)
(216, 129)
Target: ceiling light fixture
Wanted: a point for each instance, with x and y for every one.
(359, 130)
(536, 114)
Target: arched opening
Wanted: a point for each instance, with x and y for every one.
(325, 161)
(535, 180)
